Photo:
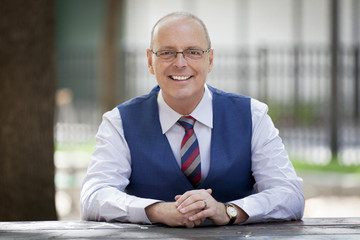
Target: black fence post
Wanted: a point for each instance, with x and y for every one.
(263, 74)
(356, 83)
(242, 70)
(334, 97)
(296, 81)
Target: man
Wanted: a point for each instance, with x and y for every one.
(187, 152)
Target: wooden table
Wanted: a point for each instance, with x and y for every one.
(310, 228)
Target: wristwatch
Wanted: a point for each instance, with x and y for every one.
(231, 212)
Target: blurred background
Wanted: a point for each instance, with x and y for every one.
(281, 52)
(301, 57)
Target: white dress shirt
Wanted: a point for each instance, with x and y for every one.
(279, 191)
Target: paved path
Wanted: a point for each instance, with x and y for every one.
(331, 194)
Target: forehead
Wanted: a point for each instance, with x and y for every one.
(179, 32)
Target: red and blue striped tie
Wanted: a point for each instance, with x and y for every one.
(189, 151)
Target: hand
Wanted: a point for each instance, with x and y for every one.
(194, 201)
(167, 213)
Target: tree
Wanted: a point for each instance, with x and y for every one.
(27, 87)
(111, 60)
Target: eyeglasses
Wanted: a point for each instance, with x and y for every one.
(189, 54)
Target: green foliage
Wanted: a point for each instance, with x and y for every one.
(286, 113)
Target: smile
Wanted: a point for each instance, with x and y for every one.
(180, 78)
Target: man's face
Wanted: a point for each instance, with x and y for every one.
(181, 80)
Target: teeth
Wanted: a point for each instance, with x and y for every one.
(180, 77)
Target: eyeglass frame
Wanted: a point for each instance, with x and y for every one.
(176, 53)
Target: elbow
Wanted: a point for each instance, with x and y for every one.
(293, 204)
(85, 213)
(297, 203)
(87, 210)
(297, 200)
(301, 207)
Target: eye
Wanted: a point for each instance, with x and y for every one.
(165, 53)
(194, 52)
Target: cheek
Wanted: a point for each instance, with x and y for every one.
(160, 69)
(209, 68)
(205, 70)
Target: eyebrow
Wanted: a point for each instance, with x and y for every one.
(173, 48)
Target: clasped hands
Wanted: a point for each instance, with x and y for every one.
(190, 210)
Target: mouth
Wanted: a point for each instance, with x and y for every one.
(180, 78)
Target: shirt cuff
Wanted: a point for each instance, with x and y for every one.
(251, 208)
(137, 210)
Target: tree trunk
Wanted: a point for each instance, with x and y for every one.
(27, 86)
(112, 61)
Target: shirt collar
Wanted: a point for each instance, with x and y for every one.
(203, 112)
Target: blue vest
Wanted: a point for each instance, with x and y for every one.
(155, 171)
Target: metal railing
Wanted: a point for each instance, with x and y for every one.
(293, 81)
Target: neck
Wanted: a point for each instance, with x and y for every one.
(184, 106)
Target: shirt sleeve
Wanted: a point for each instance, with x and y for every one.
(103, 196)
(279, 194)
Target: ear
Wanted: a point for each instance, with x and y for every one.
(211, 57)
(150, 63)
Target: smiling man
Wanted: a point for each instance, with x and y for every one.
(184, 59)
(187, 152)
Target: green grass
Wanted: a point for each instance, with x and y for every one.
(84, 147)
(333, 166)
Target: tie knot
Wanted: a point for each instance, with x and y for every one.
(187, 122)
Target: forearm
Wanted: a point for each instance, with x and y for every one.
(272, 205)
(157, 213)
(168, 214)
(110, 204)
(103, 196)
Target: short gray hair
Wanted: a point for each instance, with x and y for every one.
(185, 15)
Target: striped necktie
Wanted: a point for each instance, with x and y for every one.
(189, 151)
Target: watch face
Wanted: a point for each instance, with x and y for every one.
(232, 211)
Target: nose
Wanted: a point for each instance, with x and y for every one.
(180, 60)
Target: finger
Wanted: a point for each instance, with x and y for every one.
(200, 216)
(189, 224)
(196, 206)
(185, 196)
(179, 199)
(176, 200)
(192, 196)
(189, 201)
(205, 204)
(205, 198)
(201, 220)
(197, 222)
